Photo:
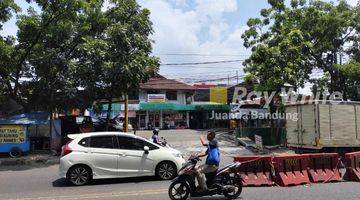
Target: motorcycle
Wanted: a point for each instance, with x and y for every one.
(222, 182)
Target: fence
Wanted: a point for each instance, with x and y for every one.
(278, 137)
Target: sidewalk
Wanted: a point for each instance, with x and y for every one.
(34, 160)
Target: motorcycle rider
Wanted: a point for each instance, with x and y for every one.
(156, 139)
(212, 160)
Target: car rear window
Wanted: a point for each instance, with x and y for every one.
(85, 142)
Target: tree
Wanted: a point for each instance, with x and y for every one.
(288, 42)
(7, 7)
(117, 58)
(74, 49)
(352, 81)
(49, 40)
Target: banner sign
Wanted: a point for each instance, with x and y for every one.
(12, 134)
(218, 95)
(156, 98)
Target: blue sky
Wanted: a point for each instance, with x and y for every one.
(211, 28)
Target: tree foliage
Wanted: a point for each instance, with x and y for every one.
(73, 50)
(352, 82)
(288, 42)
(118, 58)
(7, 8)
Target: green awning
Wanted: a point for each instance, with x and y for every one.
(183, 107)
(120, 106)
(210, 107)
(114, 106)
(166, 106)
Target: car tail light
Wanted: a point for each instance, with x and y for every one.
(66, 149)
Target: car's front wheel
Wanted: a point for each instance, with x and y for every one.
(79, 175)
(166, 171)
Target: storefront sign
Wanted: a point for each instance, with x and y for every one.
(218, 95)
(12, 134)
(156, 98)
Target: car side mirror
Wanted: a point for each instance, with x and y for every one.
(146, 149)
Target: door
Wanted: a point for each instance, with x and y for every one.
(103, 156)
(292, 126)
(142, 119)
(308, 125)
(157, 120)
(154, 119)
(133, 160)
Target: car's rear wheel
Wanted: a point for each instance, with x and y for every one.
(79, 175)
(15, 153)
(166, 171)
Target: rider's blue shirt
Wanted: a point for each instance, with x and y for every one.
(213, 154)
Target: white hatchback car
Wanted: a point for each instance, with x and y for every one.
(116, 155)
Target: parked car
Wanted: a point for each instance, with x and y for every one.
(101, 155)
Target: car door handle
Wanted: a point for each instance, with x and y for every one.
(123, 155)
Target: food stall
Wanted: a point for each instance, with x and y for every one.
(20, 133)
(14, 139)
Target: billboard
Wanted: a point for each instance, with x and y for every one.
(12, 134)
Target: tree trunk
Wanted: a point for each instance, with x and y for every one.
(51, 117)
(126, 117)
(108, 114)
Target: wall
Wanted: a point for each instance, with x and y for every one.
(181, 96)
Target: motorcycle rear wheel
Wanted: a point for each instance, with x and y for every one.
(179, 190)
(236, 182)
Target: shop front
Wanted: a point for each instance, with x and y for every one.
(202, 117)
(164, 115)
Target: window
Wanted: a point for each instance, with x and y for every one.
(102, 142)
(151, 146)
(153, 92)
(171, 95)
(134, 144)
(84, 142)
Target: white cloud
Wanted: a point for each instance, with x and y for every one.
(352, 2)
(200, 30)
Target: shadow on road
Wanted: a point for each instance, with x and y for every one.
(24, 167)
(62, 182)
(212, 198)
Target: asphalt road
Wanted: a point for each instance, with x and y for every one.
(44, 184)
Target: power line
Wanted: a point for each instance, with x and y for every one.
(202, 74)
(206, 67)
(202, 63)
(196, 54)
(208, 80)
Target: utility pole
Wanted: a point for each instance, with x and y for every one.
(340, 58)
(228, 80)
(237, 77)
(126, 116)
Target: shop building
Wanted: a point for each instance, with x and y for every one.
(165, 103)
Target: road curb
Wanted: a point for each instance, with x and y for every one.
(30, 160)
